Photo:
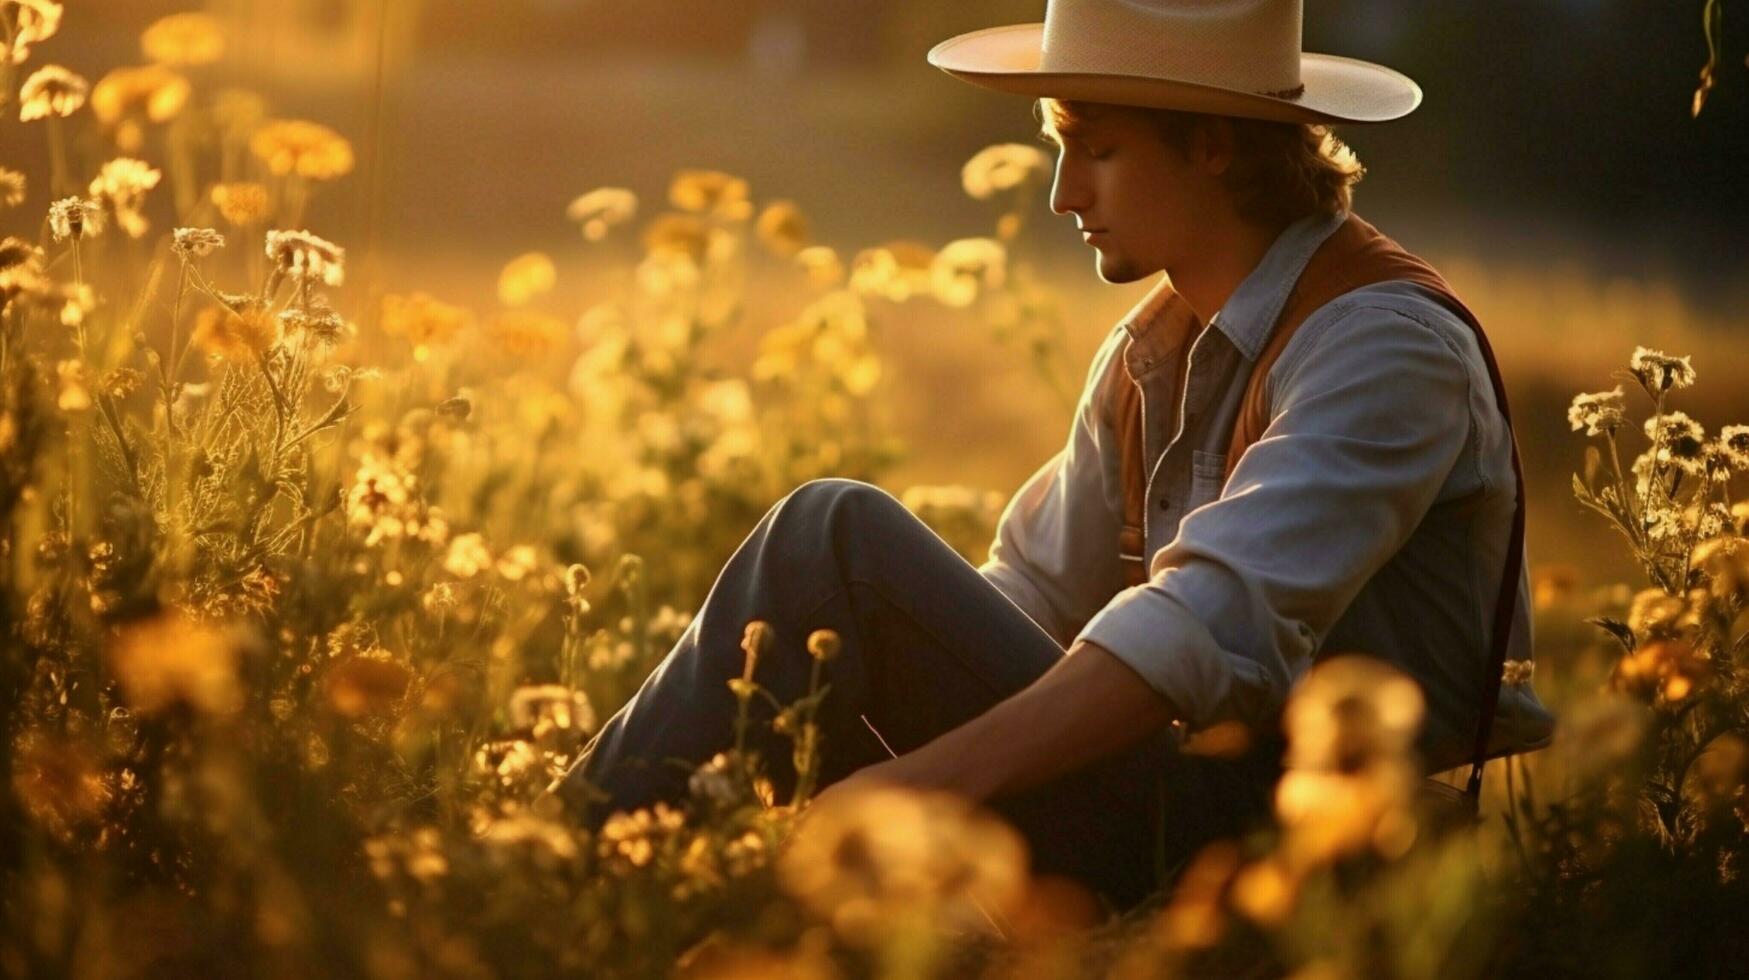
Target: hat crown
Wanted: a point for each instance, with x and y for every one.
(1245, 45)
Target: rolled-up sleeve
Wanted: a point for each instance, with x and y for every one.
(1370, 412)
(1055, 552)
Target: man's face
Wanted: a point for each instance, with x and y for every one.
(1138, 200)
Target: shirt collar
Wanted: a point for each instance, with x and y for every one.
(1162, 321)
(1250, 313)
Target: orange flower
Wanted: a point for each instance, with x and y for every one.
(184, 39)
(366, 684)
(239, 335)
(170, 660)
(243, 203)
(310, 150)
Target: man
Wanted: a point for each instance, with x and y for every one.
(1295, 445)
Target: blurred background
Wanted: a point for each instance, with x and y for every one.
(1554, 173)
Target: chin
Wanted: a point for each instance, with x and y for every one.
(1117, 270)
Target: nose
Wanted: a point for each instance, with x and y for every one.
(1069, 192)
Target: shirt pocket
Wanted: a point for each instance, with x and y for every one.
(1208, 475)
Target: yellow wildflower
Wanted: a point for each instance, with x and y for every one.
(1664, 671)
(467, 556)
(150, 90)
(16, 251)
(121, 383)
(1003, 167)
(517, 563)
(1517, 673)
(239, 335)
(711, 192)
(60, 784)
(242, 203)
(783, 228)
(384, 500)
(1350, 710)
(543, 708)
(370, 683)
(184, 39)
(881, 859)
(310, 150)
(36, 20)
(1328, 814)
(21, 272)
(896, 270)
(1553, 584)
(527, 333)
(51, 91)
(525, 277)
(170, 660)
(122, 184)
(601, 209)
(965, 266)
(631, 840)
(424, 320)
(677, 235)
(548, 843)
(822, 264)
(77, 301)
(74, 396)
(1351, 726)
(12, 185)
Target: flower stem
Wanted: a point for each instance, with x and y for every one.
(59, 178)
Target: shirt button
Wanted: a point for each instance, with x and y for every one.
(1165, 504)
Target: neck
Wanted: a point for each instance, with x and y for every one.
(1223, 259)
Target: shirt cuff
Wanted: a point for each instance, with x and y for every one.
(1156, 636)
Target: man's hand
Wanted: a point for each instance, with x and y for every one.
(1088, 706)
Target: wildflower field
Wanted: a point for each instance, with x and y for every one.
(311, 587)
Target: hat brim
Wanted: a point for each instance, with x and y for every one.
(1337, 89)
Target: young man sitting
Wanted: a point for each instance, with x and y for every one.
(1295, 445)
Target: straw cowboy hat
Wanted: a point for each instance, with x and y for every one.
(1225, 57)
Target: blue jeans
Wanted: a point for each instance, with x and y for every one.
(927, 644)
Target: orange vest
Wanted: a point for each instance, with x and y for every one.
(1355, 255)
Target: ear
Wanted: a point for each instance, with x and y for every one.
(1212, 144)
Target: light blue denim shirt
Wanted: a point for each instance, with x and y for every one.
(1372, 516)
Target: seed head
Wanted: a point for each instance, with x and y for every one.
(242, 203)
(823, 645)
(51, 91)
(755, 640)
(195, 243)
(75, 218)
(305, 257)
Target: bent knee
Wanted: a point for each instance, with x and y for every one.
(834, 499)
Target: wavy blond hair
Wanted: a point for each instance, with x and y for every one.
(1281, 171)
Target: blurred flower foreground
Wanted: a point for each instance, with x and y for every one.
(308, 593)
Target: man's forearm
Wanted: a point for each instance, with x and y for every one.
(1088, 706)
